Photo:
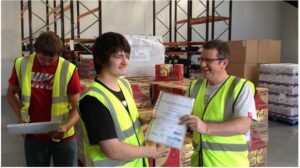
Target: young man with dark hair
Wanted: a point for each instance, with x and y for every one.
(49, 88)
(112, 131)
(222, 111)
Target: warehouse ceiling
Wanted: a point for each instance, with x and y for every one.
(294, 3)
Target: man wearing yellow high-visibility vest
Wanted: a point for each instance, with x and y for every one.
(111, 127)
(221, 117)
(49, 89)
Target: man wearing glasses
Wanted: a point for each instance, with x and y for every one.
(224, 106)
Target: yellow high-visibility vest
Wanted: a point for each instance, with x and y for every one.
(213, 150)
(60, 107)
(127, 127)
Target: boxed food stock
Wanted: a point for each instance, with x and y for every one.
(141, 94)
(169, 87)
(254, 51)
(146, 52)
(86, 67)
(282, 82)
(169, 72)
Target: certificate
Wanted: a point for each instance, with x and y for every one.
(32, 128)
(168, 110)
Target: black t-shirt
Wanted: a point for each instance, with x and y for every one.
(98, 121)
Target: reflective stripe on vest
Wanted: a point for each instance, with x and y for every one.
(221, 146)
(121, 134)
(196, 88)
(224, 147)
(126, 84)
(23, 68)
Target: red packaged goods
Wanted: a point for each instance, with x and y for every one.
(168, 72)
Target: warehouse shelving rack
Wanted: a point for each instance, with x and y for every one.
(202, 17)
(58, 11)
(158, 12)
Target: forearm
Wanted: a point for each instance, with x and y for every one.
(73, 119)
(130, 152)
(233, 127)
(74, 116)
(117, 150)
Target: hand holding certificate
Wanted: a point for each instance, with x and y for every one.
(165, 129)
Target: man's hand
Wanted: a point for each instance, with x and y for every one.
(156, 150)
(59, 132)
(194, 123)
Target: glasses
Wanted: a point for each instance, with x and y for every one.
(209, 59)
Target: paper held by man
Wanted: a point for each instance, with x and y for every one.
(168, 110)
(32, 128)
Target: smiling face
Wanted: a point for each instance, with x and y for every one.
(211, 66)
(118, 63)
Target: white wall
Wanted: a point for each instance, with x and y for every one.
(10, 39)
(289, 34)
(256, 20)
(251, 20)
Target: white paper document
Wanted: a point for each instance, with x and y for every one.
(165, 129)
(32, 128)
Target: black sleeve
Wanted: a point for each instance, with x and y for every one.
(97, 120)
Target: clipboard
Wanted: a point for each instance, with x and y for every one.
(32, 128)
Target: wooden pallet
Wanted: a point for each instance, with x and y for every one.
(283, 120)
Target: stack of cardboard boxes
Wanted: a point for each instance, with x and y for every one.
(246, 55)
(258, 144)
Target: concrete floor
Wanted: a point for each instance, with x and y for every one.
(282, 152)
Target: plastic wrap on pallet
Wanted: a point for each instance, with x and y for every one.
(282, 82)
(146, 51)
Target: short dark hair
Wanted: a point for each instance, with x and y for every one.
(106, 45)
(220, 46)
(49, 44)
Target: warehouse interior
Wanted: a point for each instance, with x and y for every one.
(266, 29)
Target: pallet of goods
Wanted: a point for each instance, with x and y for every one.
(258, 144)
(282, 82)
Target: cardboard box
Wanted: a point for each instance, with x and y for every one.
(247, 71)
(169, 72)
(263, 94)
(145, 115)
(258, 157)
(269, 51)
(169, 87)
(169, 158)
(141, 94)
(243, 51)
(146, 51)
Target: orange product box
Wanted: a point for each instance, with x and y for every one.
(168, 72)
(169, 87)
